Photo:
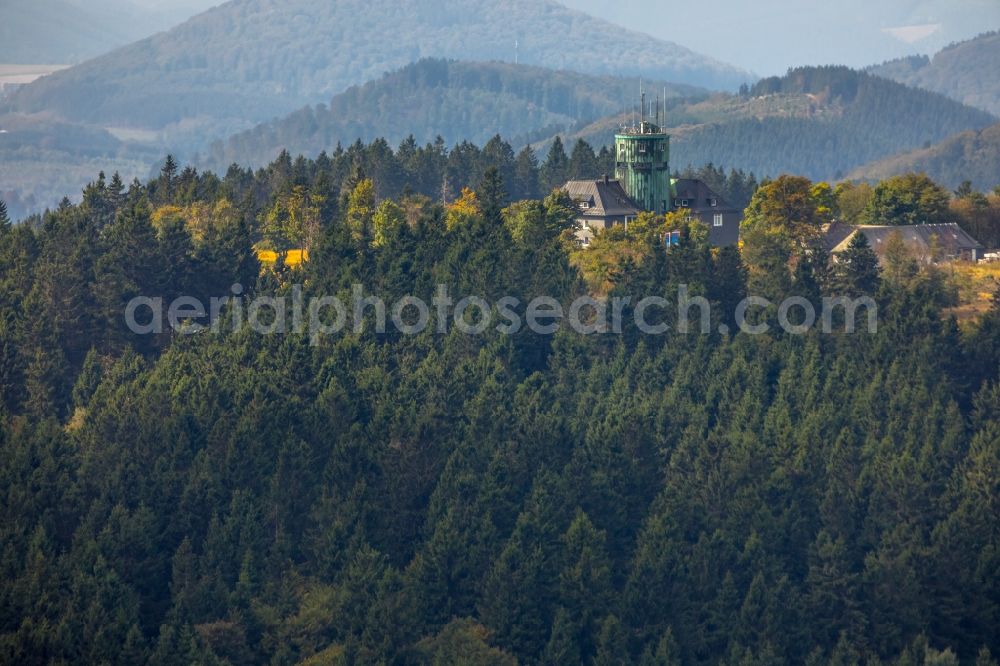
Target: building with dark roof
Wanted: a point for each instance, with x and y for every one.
(600, 204)
(642, 183)
(927, 242)
(604, 203)
(696, 197)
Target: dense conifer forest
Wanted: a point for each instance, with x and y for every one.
(969, 156)
(458, 101)
(965, 71)
(819, 122)
(234, 498)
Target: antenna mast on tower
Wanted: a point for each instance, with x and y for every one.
(642, 105)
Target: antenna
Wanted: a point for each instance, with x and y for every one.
(642, 104)
(515, 51)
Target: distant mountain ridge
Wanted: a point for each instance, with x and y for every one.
(248, 61)
(972, 156)
(772, 36)
(71, 31)
(41, 155)
(819, 122)
(458, 101)
(967, 71)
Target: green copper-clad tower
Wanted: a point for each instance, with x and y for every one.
(642, 156)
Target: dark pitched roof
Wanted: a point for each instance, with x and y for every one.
(604, 198)
(950, 237)
(835, 233)
(699, 195)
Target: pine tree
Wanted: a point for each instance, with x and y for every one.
(857, 271)
(583, 162)
(168, 177)
(612, 649)
(665, 653)
(176, 256)
(498, 153)
(492, 196)
(564, 642)
(525, 184)
(89, 379)
(116, 192)
(585, 580)
(556, 167)
(130, 265)
(900, 265)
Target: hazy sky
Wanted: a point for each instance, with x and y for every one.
(769, 36)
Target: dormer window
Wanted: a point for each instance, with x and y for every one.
(713, 202)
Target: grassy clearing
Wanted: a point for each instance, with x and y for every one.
(976, 284)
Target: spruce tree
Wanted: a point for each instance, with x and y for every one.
(492, 196)
(583, 162)
(857, 271)
(526, 184)
(612, 648)
(556, 167)
(168, 176)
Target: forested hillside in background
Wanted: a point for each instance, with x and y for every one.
(817, 121)
(42, 157)
(458, 101)
(968, 71)
(969, 156)
(70, 31)
(822, 122)
(241, 498)
(248, 61)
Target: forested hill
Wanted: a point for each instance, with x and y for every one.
(817, 121)
(60, 31)
(235, 497)
(968, 71)
(972, 156)
(249, 60)
(70, 31)
(458, 101)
